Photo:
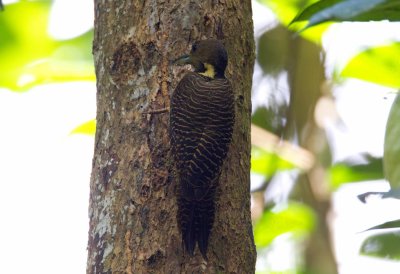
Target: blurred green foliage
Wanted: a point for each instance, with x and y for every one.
(382, 245)
(349, 10)
(87, 128)
(391, 157)
(296, 219)
(379, 65)
(267, 163)
(29, 56)
(391, 224)
(386, 244)
(342, 173)
(288, 9)
(273, 50)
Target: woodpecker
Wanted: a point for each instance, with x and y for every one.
(202, 116)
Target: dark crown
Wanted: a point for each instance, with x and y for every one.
(212, 52)
(204, 54)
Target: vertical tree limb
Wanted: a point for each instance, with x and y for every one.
(132, 210)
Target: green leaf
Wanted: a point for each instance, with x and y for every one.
(342, 173)
(273, 47)
(55, 70)
(288, 9)
(392, 193)
(23, 30)
(391, 224)
(385, 245)
(380, 65)
(267, 163)
(271, 118)
(391, 155)
(88, 128)
(296, 218)
(29, 56)
(349, 10)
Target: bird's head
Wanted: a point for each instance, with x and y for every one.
(208, 57)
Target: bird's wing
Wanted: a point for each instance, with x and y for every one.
(202, 117)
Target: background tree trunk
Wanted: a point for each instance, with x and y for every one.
(307, 80)
(133, 226)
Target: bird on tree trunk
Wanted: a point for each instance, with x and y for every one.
(202, 116)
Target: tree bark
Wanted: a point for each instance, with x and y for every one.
(132, 212)
(307, 79)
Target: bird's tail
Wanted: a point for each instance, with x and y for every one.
(196, 219)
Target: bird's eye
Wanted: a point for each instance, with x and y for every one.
(194, 47)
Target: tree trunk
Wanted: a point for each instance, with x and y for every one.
(307, 79)
(133, 227)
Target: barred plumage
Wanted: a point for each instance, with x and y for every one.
(201, 125)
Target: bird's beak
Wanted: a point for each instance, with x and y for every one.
(183, 60)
